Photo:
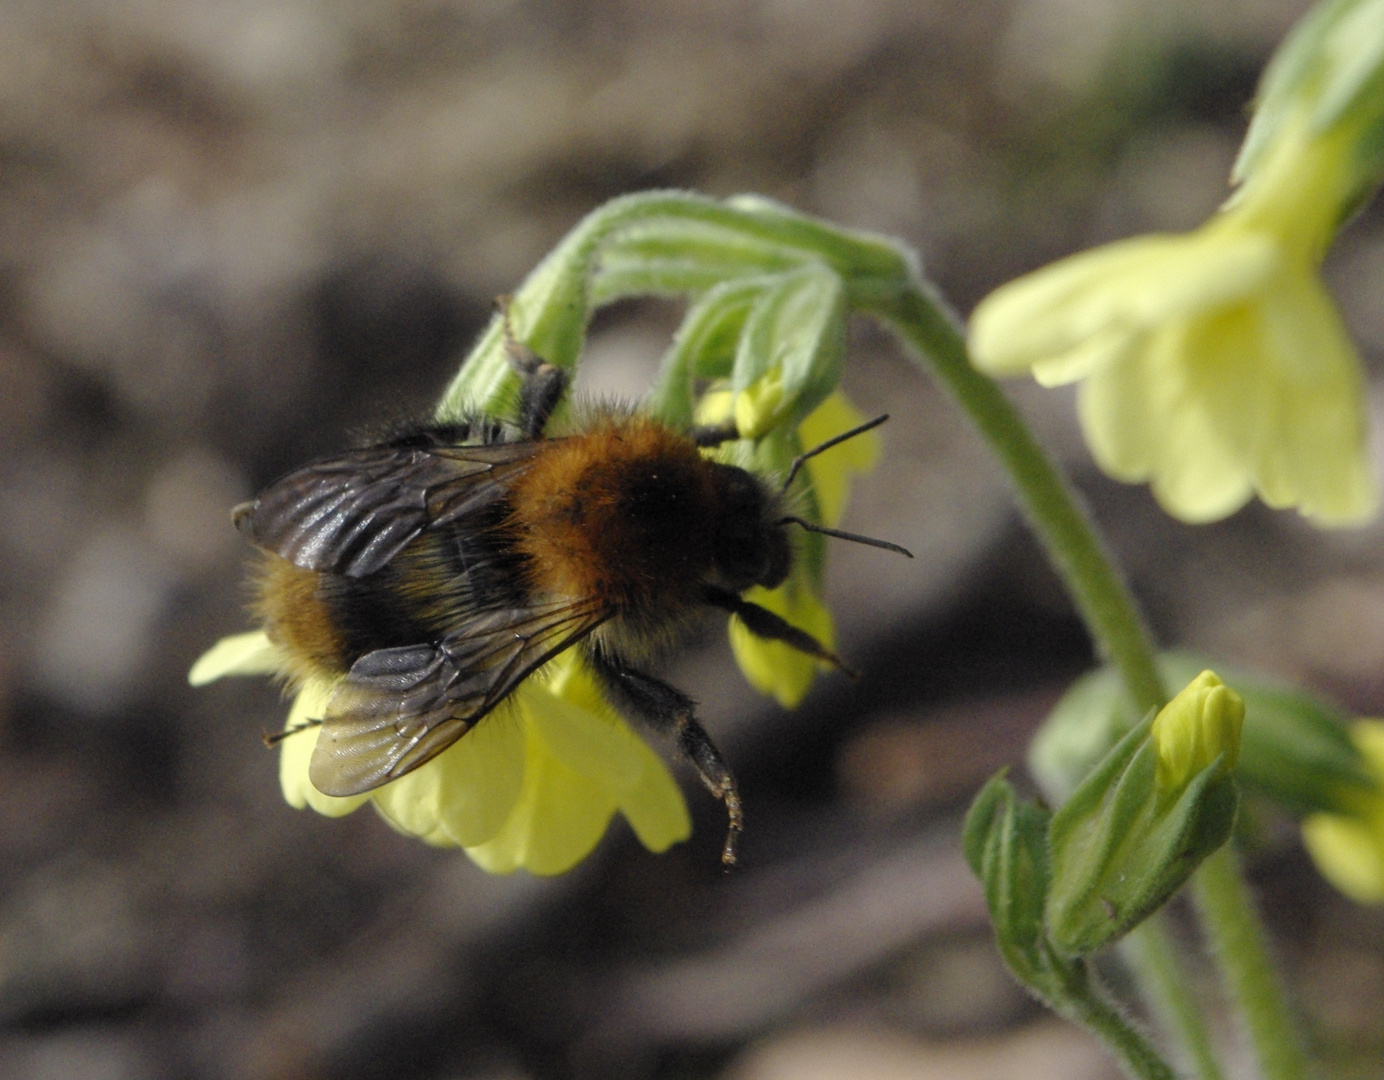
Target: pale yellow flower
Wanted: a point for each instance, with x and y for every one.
(1215, 364)
(1349, 848)
(533, 785)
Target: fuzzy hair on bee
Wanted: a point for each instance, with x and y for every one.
(429, 574)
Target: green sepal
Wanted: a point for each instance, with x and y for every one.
(1121, 846)
(1330, 66)
(703, 347)
(1005, 842)
(795, 335)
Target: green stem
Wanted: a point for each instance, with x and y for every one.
(1241, 952)
(1134, 1052)
(1053, 508)
(1151, 954)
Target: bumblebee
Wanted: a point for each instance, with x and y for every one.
(428, 575)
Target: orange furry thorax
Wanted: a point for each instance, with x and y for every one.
(624, 511)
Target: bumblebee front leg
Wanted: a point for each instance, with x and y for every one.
(543, 383)
(669, 711)
(762, 622)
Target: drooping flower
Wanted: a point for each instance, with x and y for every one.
(1349, 848)
(534, 785)
(1215, 365)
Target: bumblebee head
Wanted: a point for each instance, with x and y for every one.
(750, 543)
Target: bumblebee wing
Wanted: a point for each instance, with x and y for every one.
(351, 514)
(398, 708)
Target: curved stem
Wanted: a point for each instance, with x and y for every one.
(1134, 1052)
(1152, 955)
(1052, 507)
(1241, 952)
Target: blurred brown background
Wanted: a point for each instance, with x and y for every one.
(233, 231)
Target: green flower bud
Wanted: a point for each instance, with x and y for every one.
(1143, 820)
(1294, 748)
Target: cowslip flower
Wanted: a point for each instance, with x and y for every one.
(533, 786)
(1349, 848)
(771, 667)
(1213, 364)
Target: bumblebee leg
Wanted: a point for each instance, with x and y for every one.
(543, 384)
(762, 622)
(668, 710)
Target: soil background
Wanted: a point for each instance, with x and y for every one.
(235, 232)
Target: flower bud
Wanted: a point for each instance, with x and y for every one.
(1294, 748)
(1198, 728)
(1134, 830)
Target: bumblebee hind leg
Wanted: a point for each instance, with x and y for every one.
(668, 710)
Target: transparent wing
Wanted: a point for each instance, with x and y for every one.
(398, 708)
(352, 513)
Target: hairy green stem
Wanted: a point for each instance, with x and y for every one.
(1133, 1051)
(1241, 952)
(1151, 954)
(1053, 508)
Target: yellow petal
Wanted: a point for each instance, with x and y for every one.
(1312, 450)
(558, 819)
(758, 406)
(1349, 854)
(464, 795)
(1349, 849)
(833, 470)
(654, 805)
(772, 667)
(1128, 286)
(239, 654)
(296, 751)
(1200, 724)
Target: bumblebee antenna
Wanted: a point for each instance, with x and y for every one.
(840, 534)
(801, 459)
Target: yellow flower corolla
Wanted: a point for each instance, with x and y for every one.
(1349, 848)
(833, 470)
(1199, 725)
(1213, 364)
(533, 785)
